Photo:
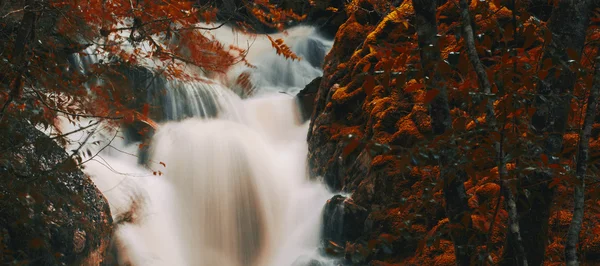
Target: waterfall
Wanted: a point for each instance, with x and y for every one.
(272, 72)
(226, 180)
(223, 172)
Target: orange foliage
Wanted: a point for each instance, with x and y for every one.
(163, 35)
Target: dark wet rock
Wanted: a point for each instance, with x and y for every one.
(343, 220)
(326, 20)
(307, 261)
(314, 51)
(306, 98)
(50, 212)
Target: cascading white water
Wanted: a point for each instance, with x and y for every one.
(198, 99)
(272, 72)
(229, 186)
(233, 196)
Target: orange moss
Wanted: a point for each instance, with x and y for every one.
(348, 37)
(473, 202)
(393, 26)
(378, 106)
(342, 96)
(397, 117)
(421, 117)
(441, 255)
(408, 134)
(494, 171)
(487, 191)
(480, 223)
(382, 160)
(419, 228)
(341, 131)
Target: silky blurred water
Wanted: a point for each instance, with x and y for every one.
(226, 183)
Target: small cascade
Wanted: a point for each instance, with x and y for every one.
(176, 99)
(272, 72)
(198, 99)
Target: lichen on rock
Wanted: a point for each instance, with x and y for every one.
(50, 212)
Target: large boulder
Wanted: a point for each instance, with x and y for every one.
(353, 130)
(365, 140)
(50, 212)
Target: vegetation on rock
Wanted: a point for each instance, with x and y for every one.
(457, 125)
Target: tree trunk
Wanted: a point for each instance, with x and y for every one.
(485, 85)
(455, 196)
(567, 24)
(581, 168)
(24, 35)
(426, 25)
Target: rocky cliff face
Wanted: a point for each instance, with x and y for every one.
(50, 212)
(346, 116)
(361, 137)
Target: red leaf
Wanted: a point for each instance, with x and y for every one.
(369, 85)
(554, 182)
(430, 95)
(145, 109)
(413, 87)
(366, 68)
(544, 158)
(554, 166)
(350, 147)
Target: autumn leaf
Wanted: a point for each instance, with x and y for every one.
(350, 147)
(282, 49)
(544, 159)
(430, 95)
(413, 87)
(146, 109)
(366, 68)
(369, 85)
(530, 36)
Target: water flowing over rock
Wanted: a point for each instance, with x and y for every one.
(224, 181)
(50, 212)
(231, 192)
(272, 72)
(343, 220)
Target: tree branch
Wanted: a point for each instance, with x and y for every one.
(582, 160)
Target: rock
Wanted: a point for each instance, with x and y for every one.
(325, 19)
(306, 99)
(382, 183)
(307, 261)
(50, 212)
(343, 220)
